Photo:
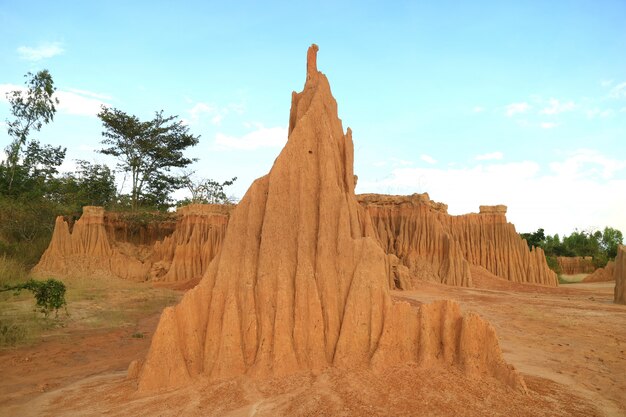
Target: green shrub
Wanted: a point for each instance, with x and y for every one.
(49, 295)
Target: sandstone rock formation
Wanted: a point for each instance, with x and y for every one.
(620, 276)
(573, 265)
(301, 280)
(602, 274)
(109, 244)
(438, 247)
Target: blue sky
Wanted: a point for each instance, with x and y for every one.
(518, 103)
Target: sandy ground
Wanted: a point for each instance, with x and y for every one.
(569, 343)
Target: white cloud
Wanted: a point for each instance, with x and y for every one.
(73, 101)
(556, 107)
(581, 190)
(606, 83)
(599, 113)
(428, 159)
(489, 156)
(478, 109)
(214, 113)
(42, 51)
(548, 125)
(515, 108)
(262, 137)
(619, 91)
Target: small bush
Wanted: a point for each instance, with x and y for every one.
(11, 334)
(49, 295)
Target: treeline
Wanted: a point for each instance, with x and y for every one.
(600, 245)
(150, 159)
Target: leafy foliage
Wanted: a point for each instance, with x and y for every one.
(31, 110)
(206, 191)
(148, 151)
(49, 294)
(600, 245)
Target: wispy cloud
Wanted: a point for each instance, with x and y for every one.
(515, 108)
(556, 107)
(619, 91)
(534, 195)
(428, 159)
(40, 52)
(592, 113)
(261, 137)
(478, 109)
(548, 125)
(489, 156)
(606, 83)
(214, 113)
(72, 101)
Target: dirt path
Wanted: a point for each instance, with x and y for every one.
(569, 343)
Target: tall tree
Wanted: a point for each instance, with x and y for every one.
(148, 151)
(31, 109)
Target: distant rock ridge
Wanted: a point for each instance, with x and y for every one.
(431, 245)
(602, 274)
(125, 245)
(301, 282)
(573, 265)
(619, 275)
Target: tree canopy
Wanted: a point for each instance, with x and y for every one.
(148, 151)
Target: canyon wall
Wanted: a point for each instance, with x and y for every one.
(436, 246)
(301, 282)
(574, 265)
(136, 246)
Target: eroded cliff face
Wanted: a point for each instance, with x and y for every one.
(301, 282)
(436, 246)
(619, 275)
(176, 248)
(573, 265)
(602, 274)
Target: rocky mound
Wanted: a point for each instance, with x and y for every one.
(301, 282)
(435, 246)
(619, 275)
(574, 265)
(129, 246)
(602, 274)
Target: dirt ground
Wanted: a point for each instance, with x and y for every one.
(569, 343)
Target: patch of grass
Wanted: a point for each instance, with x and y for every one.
(137, 335)
(12, 272)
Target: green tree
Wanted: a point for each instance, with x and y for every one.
(611, 239)
(206, 191)
(535, 239)
(90, 185)
(31, 109)
(148, 151)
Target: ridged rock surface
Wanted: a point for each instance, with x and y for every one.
(109, 244)
(301, 281)
(619, 275)
(438, 247)
(602, 274)
(573, 265)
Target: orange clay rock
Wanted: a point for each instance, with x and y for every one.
(119, 245)
(619, 275)
(602, 274)
(572, 265)
(89, 249)
(301, 282)
(436, 246)
(186, 253)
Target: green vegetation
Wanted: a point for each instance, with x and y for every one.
(49, 294)
(148, 151)
(600, 245)
(206, 191)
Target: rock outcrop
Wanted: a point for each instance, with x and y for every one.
(602, 274)
(436, 246)
(174, 248)
(301, 282)
(619, 275)
(574, 265)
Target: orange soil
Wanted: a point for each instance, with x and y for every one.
(569, 343)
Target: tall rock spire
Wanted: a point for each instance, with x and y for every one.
(301, 282)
